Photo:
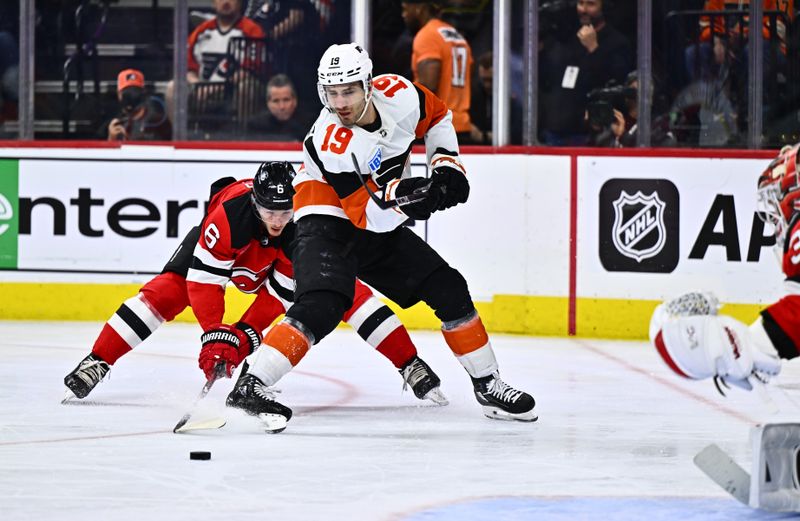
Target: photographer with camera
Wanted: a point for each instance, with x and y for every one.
(573, 67)
(142, 117)
(612, 116)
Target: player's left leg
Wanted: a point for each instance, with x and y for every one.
(408, 270)
(158, 301)
(324, 279)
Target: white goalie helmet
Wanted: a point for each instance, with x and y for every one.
(345, 63)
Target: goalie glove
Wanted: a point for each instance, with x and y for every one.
(226, 344)
(696, 343)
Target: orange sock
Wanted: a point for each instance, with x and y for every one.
(466, 338)
(287, 339)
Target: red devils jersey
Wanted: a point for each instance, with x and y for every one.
(786, 312)
(234, 246)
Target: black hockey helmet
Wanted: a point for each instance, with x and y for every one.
(272, 186)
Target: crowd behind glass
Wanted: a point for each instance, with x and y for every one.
(103, 68)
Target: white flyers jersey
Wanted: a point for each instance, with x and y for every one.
(327, 183)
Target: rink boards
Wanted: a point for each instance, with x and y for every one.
(552, 241)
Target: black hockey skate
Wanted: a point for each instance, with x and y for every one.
(256, 399)
(500, 401)
(423, 381)
(86, 376)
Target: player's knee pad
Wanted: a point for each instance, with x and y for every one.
(319, 312)
(446, 292)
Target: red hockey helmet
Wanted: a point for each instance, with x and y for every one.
(779, 191)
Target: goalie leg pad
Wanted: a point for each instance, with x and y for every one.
(774, 483)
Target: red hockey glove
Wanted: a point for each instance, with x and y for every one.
(452, 183)
(421, 210)
(222, 344)
(248, 337)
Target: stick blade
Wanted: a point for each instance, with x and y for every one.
(725, 472)
(199, 425)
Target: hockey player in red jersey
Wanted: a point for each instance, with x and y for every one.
(697, 343)
(344, 230)
(246, 238)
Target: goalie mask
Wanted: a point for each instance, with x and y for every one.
(779, 192)
(342, 64)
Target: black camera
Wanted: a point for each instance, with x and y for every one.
(603, 101)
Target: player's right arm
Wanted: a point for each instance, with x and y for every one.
(210, 269)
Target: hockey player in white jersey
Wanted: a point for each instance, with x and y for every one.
(345, 229)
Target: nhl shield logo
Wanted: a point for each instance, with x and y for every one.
(638, 231)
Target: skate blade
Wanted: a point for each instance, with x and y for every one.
(199, 425)
(436, 396)
(68, 397)
(273, 423)
(498, 414)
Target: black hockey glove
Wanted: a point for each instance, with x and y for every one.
(452, 184)
(421, 210)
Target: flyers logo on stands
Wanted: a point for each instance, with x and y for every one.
(639, 225)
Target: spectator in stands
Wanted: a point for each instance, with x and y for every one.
(571, 69)
(623, 127)
(441, 60)
(723, 38)
(9, 64)
(9, 76)
(208, 45)
(141, 117)
(283, 120)
(295, 30)
(480, 107)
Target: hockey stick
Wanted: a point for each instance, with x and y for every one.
(219, 371)
(725, 472)
(417, 195)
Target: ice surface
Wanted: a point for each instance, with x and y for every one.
(615, 439)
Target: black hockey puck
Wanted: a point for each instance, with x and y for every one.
(200, 455)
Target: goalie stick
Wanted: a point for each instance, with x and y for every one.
(182, 426)
(725, 472)
(417, 195)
